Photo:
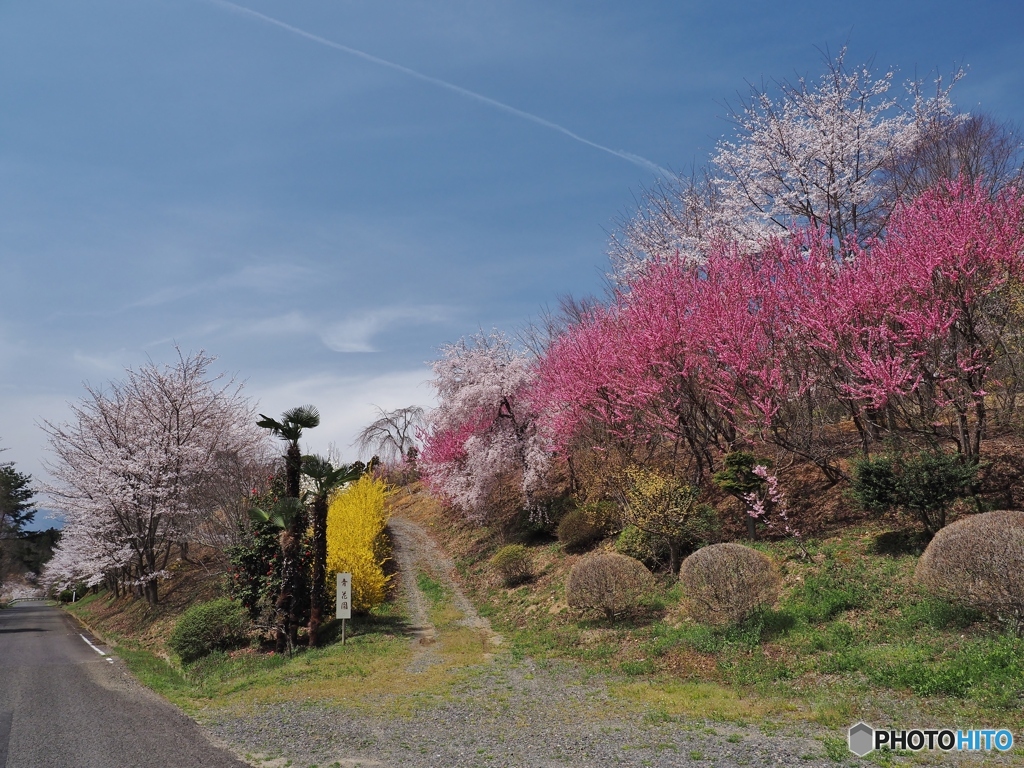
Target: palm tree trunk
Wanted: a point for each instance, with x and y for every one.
(317, 596)
(293, 470)
(291, 548)
(286, 598)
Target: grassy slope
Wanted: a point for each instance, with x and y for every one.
(850, 638)
(372, 670)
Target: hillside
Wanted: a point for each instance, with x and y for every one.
(850, 638)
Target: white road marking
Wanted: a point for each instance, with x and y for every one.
(101, 653)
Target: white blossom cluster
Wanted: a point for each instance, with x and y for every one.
(21, 588)
(130, 467)
(483, 430)
(819, 154)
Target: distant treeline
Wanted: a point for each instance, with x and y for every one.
(29, 551)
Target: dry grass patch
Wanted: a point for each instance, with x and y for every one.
(704, 700)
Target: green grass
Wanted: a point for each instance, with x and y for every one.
(336, 672)
(836, 749)
(431, 588)
(373, 670)
(850, 634)
(851, 637)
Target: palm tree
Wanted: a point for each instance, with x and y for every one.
(325, 479)
(289, 429)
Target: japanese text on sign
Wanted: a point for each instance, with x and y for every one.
(344, 596)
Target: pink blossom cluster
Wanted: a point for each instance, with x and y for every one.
(698, 353)
(769, 505)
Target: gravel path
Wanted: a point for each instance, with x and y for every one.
(415, 550)
(507, 713)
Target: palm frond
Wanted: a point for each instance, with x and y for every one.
(304, 417)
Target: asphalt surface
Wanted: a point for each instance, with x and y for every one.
(67, 703)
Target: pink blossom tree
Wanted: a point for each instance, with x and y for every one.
(906, 333)
(775, 342)
(483, 430)
(685, 357)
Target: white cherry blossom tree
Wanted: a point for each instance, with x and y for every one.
(803, 153)
(129, 463)
(483, 431)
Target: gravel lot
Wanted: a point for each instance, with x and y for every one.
(506, 714)
(509, 715)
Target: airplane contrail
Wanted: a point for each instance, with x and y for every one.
(627, 156)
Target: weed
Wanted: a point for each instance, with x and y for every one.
(940, 614)
(657, 715)
(982, 669)
(692, 699)
(836, 749)
(643, 667)
(836, 589)
(431, 588)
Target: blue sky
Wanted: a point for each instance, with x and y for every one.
(181, 171)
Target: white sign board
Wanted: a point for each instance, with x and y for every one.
(344, 596)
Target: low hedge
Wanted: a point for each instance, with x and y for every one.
(217, 625)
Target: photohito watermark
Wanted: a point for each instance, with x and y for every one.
(862, 739)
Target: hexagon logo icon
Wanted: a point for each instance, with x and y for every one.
(861, 739)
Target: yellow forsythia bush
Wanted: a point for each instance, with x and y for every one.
(355, 540)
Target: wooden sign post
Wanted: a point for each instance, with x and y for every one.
(344, 611)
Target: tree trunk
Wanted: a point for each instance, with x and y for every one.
(673, 555)
(293, 470)
(291, 545)
(286, 599)
(317, 596)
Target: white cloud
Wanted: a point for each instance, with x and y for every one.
(355, 334)
(258, 279)
(287, 324)
(25, 443)
(109, 363)
(346, 403)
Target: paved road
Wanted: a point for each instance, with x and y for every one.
(64, 705)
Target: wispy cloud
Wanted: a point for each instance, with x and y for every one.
(258, 278)
(110, 363)
(279, 325)
(630, 157)
(356, 333)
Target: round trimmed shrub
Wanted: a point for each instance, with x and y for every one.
(607, 582)
(512, 564)
(217, 625)
(725, 583)
(978, 561)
